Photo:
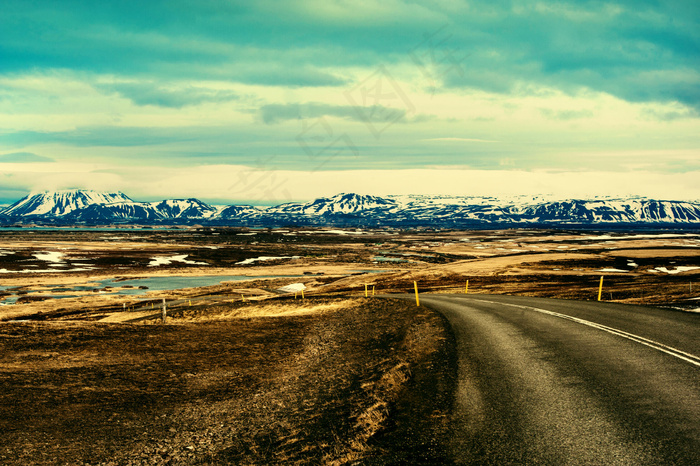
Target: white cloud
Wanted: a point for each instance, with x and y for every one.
(246, 184)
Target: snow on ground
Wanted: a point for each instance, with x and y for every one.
(79, 269)
(661, 235)
(292, 288)
(162, 260)
(612, 270)
(682, 268)
(334, 232)
(53, 256)
(265, 258)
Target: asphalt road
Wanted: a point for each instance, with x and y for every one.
(545, 381)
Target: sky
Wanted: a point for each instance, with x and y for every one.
(264, 102)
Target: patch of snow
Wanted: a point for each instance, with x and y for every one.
(79, 269)
(292, 288)
(265, 258)
(162, 260)
(344, 232)
(623, 237)
(682, 268)
(610, 269)
(53, 256)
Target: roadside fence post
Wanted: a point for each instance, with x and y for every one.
(415, 286)
(600, 288)
(164, 315)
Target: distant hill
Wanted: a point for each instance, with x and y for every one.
(82, 207)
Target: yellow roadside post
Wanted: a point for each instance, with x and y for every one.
(295, 295)
(415, 286)
(466, 288)
(243, 298)
(190, 301)
(372, 290)
(600, 288)
(365, 290)
(302, 294)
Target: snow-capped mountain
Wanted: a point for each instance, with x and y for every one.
(236, 212)
(58, 203)
(613, 211)
(93, 208)
(184, 208)
(338, 204)
(119, 212)
(84, 206)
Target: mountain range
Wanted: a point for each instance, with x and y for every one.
(84, 207)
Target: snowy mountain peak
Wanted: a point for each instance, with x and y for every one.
(59, 203)
(184, 208)
(344, 203)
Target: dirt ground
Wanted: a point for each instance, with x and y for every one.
(323, 381)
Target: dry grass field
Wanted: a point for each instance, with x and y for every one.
(323, 381)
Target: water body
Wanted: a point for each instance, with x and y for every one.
(388, 259)
(175, 283)
(150, 284)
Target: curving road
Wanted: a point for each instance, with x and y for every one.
(545, 381)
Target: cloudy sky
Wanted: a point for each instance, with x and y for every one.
(270, 101)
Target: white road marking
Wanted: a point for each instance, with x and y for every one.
(692, 359)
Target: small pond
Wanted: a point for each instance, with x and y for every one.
(147, 284)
